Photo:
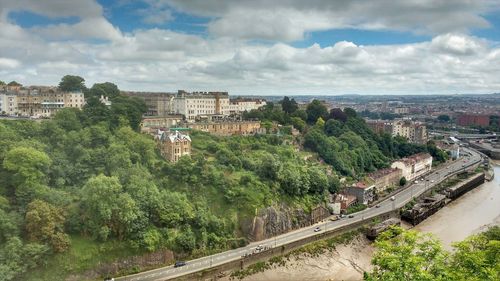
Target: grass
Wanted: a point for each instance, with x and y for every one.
(355, 208)
(84, 254)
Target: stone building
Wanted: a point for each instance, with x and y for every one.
(240, 105)
(364, 193)
(380, 126)
(173, 145)
(414, 166)
(195, 104)
(8, 103)
(414, 132)
(40, 101)
(159, 104)
(151, 124)
(385, 178)
(228, 128)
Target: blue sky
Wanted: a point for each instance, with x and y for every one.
(261, 47)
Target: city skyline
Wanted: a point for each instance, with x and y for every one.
(262, 48)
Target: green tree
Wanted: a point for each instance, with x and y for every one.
(27, 170)
(186, 240)
(402, 181)
(106, 89)
(106, 209)
(14, 84)
(315, 110)
(45, 223)
(2, 83)
(477, 258)
(444, 118)
(72, 83)
(17, 258)
(289, 105)
(408, 255)
(298, 123)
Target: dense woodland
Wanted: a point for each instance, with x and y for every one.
(88, 180)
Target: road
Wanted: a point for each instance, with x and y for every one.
(471, 158)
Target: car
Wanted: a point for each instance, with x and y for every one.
(432, 180)
(317, 229)
(377, 206)
(179, 263)
(334, 218)
(342, 216)
(109, 279)
(350, 216)
(415, 182)
(393, 198)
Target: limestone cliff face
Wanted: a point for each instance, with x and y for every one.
(273, 221)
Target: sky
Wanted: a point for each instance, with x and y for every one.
(259, 47)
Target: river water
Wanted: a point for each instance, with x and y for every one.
(471, 213)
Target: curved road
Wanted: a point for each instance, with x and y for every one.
(401, 198)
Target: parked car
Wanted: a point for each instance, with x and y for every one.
(393, 198)
(109, 279)
(179, 263)
(350, 216)
(334, 218)
(377, 206)
(317, 229)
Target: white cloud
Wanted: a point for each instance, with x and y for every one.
(289, 20)
(164, 60)
(8, 63)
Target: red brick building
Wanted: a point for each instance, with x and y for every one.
(473, 119)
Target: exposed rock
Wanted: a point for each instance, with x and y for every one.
(273, 221)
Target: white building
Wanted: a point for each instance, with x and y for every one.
(241, 105)
(8, 104)
(414, 166)
(414, 132)
(196, 104)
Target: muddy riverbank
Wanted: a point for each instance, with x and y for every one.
(473, 212)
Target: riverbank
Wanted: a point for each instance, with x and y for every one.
(469, 214)
(345, 262)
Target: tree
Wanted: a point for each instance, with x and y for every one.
(186, 240)
(106, 209)
(26, 165)
(316, 110)
(443, 118)
(14, 84)
(477, 258)
(69, 119)
(298, 123)
(106, 89)
(45, 223)
(2, 83)
(333, 127)
(408, 255)
(338, 114)
(402, 181)
(72, 83)
(16, 258)
(289, 106)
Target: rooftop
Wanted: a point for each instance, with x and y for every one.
(383, 172)
(415, 158)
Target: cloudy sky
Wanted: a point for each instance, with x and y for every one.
(256, 47)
